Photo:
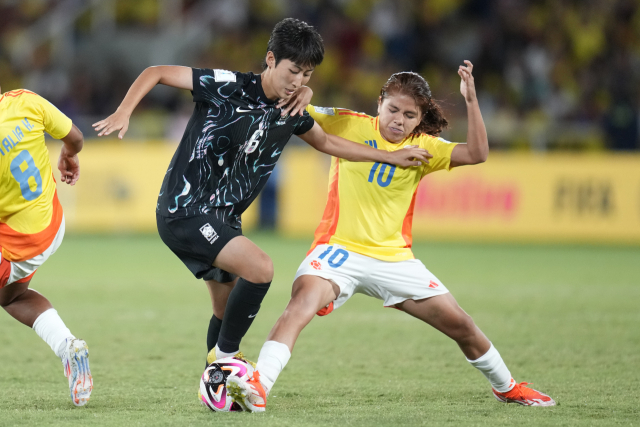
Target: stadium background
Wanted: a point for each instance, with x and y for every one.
(540, 244)
(558, 84)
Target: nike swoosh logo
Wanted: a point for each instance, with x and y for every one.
(240, 110)
(251, 316)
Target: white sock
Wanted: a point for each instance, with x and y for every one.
(50, 327)
(494, 369)
(221, 354)
(274, 356)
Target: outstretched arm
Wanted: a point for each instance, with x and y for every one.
(348, 150)
(170, 75)
(476, 150)
(68, 162)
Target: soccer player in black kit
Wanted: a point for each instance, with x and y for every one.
(231, 144)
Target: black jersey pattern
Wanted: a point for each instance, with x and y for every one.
(231, 144)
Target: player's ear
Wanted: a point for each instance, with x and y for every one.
(379, 103)
(270, 60)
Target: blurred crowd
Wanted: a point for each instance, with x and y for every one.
(550, 74)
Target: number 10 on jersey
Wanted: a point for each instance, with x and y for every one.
(382, 181)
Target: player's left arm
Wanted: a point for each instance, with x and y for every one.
(348, 150)
(476, 150)
(68, 162)
(59, 126)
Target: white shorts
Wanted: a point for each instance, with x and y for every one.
(392, 282)
(23, 269)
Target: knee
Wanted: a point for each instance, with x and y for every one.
(301, 306)
(464, 327)
(219, 308)
(261, 271)
(310, 294)
(10, 293)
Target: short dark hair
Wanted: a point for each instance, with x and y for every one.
(296, 41)
(414, 85)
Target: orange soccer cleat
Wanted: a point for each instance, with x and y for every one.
(524, 396)
(250, 394)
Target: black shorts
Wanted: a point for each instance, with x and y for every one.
(197, 241)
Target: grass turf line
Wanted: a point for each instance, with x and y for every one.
(563, 317)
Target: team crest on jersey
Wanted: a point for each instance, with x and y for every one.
(324, 110)
(316, 264)
(209, 233)
(224, 76)
(282, 120)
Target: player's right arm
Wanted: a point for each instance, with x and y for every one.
(337, 146)
(170, 75)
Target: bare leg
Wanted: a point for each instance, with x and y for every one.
(309, 294)
(219, 293)
(245, 259)
(26, 306)
(443, 313)
(22, 303)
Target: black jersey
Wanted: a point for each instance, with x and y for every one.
(229, 148)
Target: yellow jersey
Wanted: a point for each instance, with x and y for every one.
(370, 205)
(30, 213)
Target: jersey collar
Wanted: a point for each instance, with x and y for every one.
(260, 91)
(375, 122)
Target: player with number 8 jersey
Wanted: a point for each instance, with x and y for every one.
(32, 222)
(29, 206)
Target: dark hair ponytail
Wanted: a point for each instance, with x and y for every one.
(414, 85)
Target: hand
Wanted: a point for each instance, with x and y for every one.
(297, 102)
(69, 166)
(467, 85)
(411, 155)
(116, 121)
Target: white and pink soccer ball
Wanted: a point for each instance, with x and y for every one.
(213, 383)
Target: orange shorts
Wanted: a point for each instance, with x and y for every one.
(23, 271)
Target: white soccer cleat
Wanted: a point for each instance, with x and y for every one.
(75, 363)
(250, 394)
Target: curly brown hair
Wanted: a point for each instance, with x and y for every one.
(414, 85)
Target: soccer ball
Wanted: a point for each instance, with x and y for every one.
(213, 383)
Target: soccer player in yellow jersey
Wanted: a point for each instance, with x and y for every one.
(32, 222)
(363, 243)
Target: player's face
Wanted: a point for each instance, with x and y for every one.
(285, 78)
(398, 115)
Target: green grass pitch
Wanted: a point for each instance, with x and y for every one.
(566, 318)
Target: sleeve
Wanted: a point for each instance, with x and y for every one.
(55, 122)
(305, 123)
(207, 83)
(329, 119)
(441, 150)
